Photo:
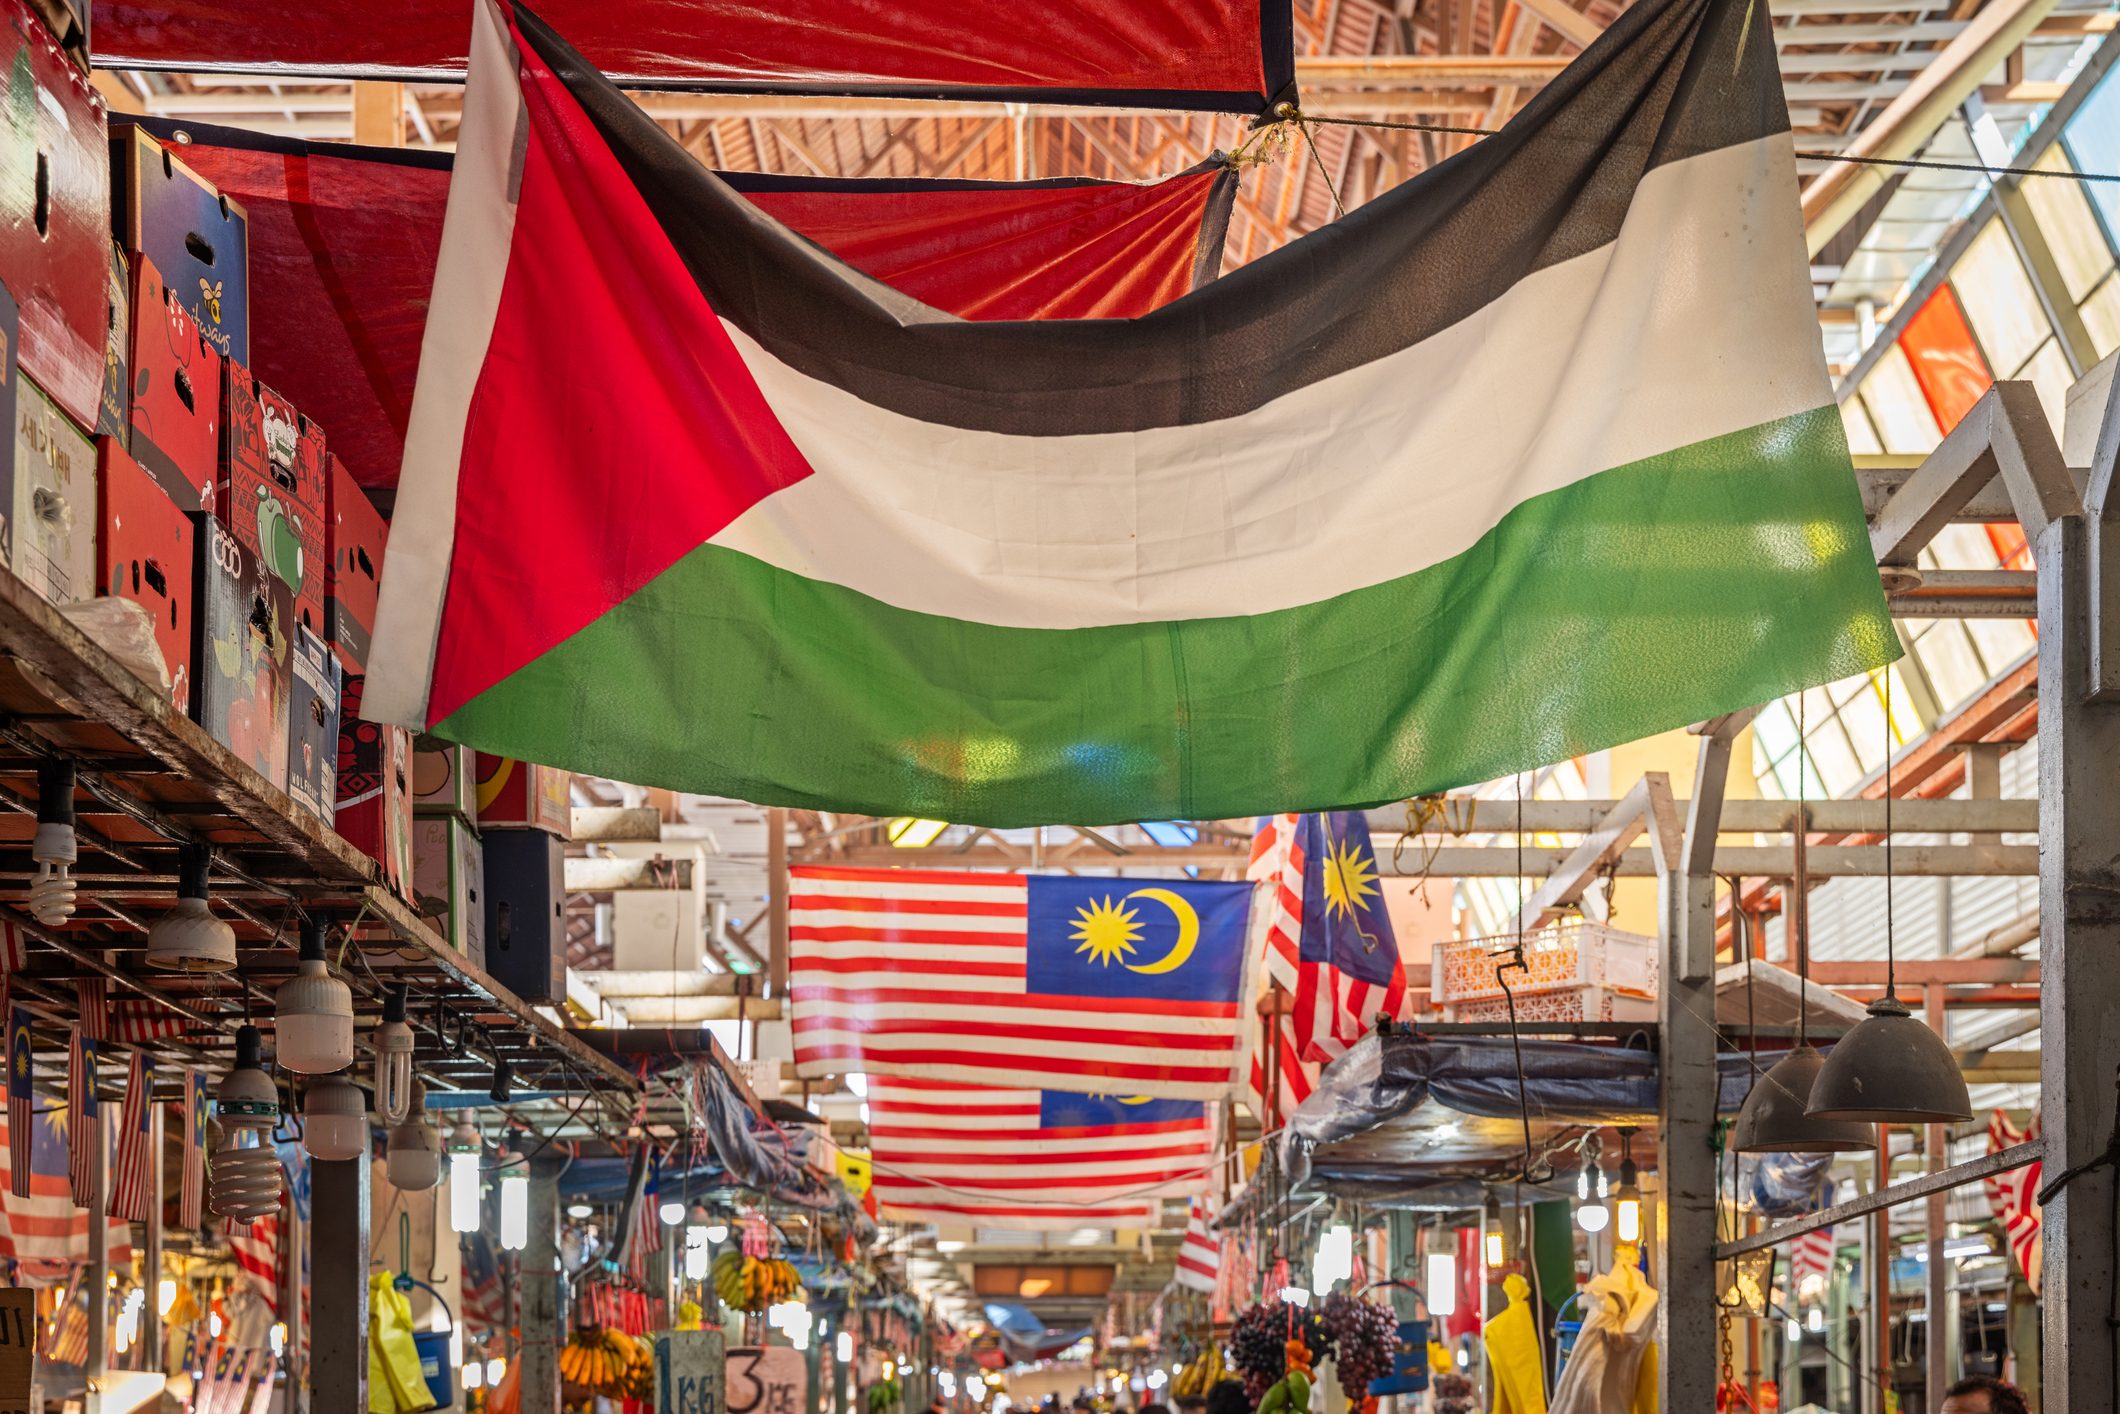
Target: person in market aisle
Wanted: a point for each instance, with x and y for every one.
(1983, 1394)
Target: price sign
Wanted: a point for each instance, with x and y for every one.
(688, 1373)
(768, 1379)
(18, 1348)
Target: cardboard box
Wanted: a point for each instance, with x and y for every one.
(176, 394)
(242, 671)
(526, 913)
(271, 490)
(517, 794)
(55, 215)
(54, 502)
(375, 789)
(313, 728)
(444, 780)
(357, 534)
(448, 882)
(114, 412)
(144, 553)
(199, 238)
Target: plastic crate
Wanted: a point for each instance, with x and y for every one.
(1574, 970)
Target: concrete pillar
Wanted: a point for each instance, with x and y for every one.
(2079, 993)
(541, 1282)
(338, 1274)
(1688, 1369)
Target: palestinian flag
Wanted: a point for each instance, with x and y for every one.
(1532, 455)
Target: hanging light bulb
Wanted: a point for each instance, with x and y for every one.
(414, 1150)
(313, 1012)
(1890, 1069)
(717, 1232)
(1493, 1226)
(1627, 1226)
(672, 1213)
(51, 894)
(335, 1120)
(246, 1178)
(699, 1253)
(515, 1199)
(393, 1063)
(1590, 1210)
(464, 1148)
(189, 938)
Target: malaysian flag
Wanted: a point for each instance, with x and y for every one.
(1044, 983)
(950, 1153)
(138, 1020)
(483, 1308)
(66, 1335)
(94, 996)
(83, 1133)
(128, 1183)
(20, 1100)
(2014, 1197)
(1200, 1255)
(191, 1207)
(256, 1246)
(43, 1232)
(1327, 942)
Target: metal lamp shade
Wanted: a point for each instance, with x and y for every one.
(1891, 1069)
(1773, 1119)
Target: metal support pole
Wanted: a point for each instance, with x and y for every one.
(1937, 1376)
(296, 1233)
(338, 1256)
(777, 901)
(539, 1351)
(1879, 1352)
(1685, 1160)
(151, 1262)
(98, 1361)
(2079, 929)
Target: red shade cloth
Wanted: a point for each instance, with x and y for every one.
(343, 242)
(1223, 55)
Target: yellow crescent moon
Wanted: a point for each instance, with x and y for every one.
(1188, 931)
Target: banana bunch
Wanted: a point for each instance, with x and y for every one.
(753, 1283)
(610, 1362)
(1201, 1375)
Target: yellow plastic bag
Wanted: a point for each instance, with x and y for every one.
(395, 1385)
(1513, 1354)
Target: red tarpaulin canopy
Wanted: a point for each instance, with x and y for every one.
(1222, 55)
(343, 242)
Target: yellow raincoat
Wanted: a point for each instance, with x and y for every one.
(395, 1385)
(1513, 1353)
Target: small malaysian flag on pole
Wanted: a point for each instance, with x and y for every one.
(191, 1207)
(19, 1101)
(1200, 1255)
(82, 1135)
(128, 1190)
(94, 994)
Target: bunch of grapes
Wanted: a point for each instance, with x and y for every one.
(1365, 1334)
(1453, 1394)
(1258, 1343)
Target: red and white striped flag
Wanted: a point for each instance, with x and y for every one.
(191, 1206)
(256, 1246)
(2014, 1197)
(128, 1179)
(1039, 982)
(14, 948)
(83, 1134)
(66, 1334)
(94, 995)
(1810, 1255)
(950, 1153)
(1200, 1255)
(647, 1217)
(1277, 926)
(138, 1020)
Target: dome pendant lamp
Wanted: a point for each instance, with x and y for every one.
(1891, 1069)
(1773, 1120)
(189, 938)
(313, 1012)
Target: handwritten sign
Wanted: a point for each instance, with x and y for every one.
(18, 1348)
(688, 1373)
(768, 1379)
